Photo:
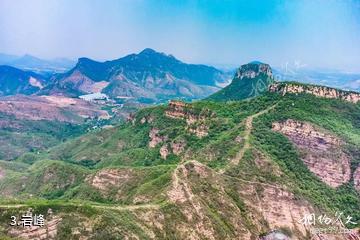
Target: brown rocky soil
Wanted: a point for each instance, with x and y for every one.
(357, 178)
(50, 108)
(105, 179)
(47, 232)
(155, 137)
(321, 151)
(175, 147)
(199, 224)
(178, 146)
(164, 151)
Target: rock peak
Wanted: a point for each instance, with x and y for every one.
(254, 69)
(149, 51)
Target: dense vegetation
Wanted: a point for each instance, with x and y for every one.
(20, 136)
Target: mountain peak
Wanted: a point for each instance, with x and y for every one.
(253, 69)
(149, 51)
(152, 52)
(84, 61)
(250, 80)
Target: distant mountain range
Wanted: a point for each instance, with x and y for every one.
(16, 81)
(149, 75)
(35, 64)
(331, 78)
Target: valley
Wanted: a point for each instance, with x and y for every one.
(248, 162)
(179, 120)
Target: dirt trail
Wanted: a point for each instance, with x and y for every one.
(248, 128)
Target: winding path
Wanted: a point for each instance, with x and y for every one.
(248, 128)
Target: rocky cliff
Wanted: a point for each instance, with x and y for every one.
(250, 80)
(321, 152)
(195, 119)
(253, 70)
(319, 91)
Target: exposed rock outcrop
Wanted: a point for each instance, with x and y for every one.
(320, 151)
(319, 91)
(181, 110)
(164, 151)
(200, 131)
(176, 109)
(178, 147)
(252, 70)
(195, 120)
(146, 119)
(47, 232)
(198, 223)
(357, 178)
(105, 179)
(155, 137)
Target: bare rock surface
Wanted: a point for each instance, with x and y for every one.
(155, 137)
(319, 91)
(357, 178)
(195, 121)
(164, 151)
(321, 151)
(47, 232)
(49, 108)
(105, 179)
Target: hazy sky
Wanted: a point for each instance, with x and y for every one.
(318, 33)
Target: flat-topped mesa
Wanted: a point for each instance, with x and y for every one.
(319, 91)
(253, 69)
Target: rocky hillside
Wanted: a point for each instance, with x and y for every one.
(15, 81)
(319, 91)
(207, 170)
(52, 108)
(250, 80)
(35, 123)
(148, 75)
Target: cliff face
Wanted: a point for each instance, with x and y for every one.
(195, 120)
(357, 178)
(253, 70)
(319, 91)
(177, 109)
(320, 151)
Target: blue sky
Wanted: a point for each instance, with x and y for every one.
(318, 33)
